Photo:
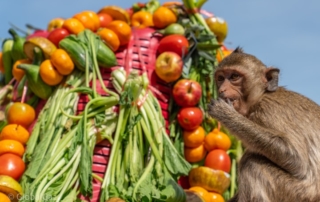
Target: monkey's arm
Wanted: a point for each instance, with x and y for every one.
(272, 144)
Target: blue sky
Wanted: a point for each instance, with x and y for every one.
(284, 34)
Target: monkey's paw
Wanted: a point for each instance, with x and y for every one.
(219, 109)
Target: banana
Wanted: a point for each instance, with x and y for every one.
(7, 59)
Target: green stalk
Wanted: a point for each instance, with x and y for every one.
(114, 151)
(57, 167)
(69, 177)
(153, 146)
(233, 177)
(40, 187)
(63, 170)
(96, 68)
(64, 143)
(147, 171)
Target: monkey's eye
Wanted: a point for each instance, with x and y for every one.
(234, 76)
(220, 78)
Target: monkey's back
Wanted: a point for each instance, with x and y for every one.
(298, 119)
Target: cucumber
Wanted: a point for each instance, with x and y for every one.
(105, 56)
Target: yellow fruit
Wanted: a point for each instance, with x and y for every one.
(210, 179)
(10, 187)
(219, 27)
(116, 12)
(43, 43)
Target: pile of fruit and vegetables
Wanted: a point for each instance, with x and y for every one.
(111, 105)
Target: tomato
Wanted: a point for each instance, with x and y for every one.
(175, 43)
(218, 159)
(56, 35)
(190, 118)
(105, 19)
(11, 165)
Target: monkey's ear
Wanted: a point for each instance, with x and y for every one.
(272, 76)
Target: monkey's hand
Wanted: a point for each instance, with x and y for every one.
(220, 110)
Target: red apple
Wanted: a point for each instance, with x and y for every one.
(169, 66)
(187, 93)
(56, 35)
(42, 33)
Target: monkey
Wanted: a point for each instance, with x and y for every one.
(279, 129)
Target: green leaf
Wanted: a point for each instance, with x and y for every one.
(207, 46)
(206, 55)
(174, 162)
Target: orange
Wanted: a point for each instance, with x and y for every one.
(122, 30)
(163, 17)
(15, 132)
(215, 197)
(222, 54)
(89, 19)
(194, 154)
(202, 192)
(11, 146)
(73, 25)
(217, 139)
(4, 198)
(19, 73)
(1, 63)
(109, 38)
(142, 19)
(194, 138)
(21, 113)
(49, 74)
(62, 61)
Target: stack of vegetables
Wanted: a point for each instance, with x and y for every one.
(86, 83)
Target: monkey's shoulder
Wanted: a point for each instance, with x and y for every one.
(284, 104)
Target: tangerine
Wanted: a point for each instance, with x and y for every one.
(194, 138)
(142, 19)
(194, 154)
(15, 132)
(163, 17)
(89, 19)
(21, 114)
(110, 38)
(49, 74)
(73, 25)
(222, 54)
(61, 60)
(19, 73)
(215, 197)
(217, 139)
(122, 30)
(4, 198)
(11, 146)
(202, 192)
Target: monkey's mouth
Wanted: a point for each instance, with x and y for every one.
(229, 100)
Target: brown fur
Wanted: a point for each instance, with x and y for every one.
(280, 130)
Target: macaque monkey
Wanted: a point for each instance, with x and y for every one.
(279, 129)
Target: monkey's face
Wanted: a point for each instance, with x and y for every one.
(229, 82)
